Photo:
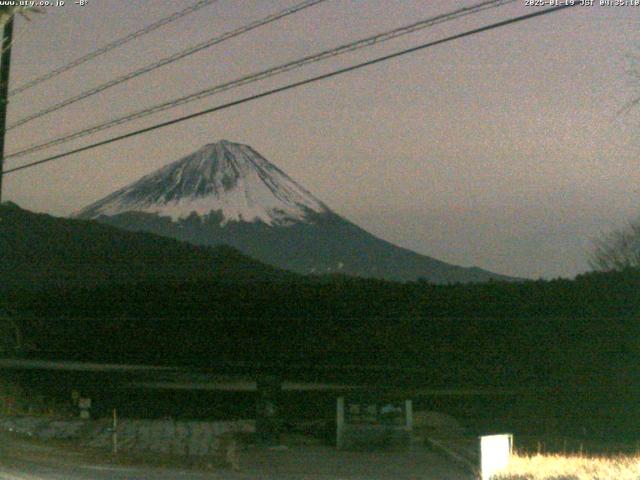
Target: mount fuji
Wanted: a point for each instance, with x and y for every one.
(227, 193)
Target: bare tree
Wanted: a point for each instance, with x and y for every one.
(618, 250)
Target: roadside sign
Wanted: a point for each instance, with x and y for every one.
(495, 452)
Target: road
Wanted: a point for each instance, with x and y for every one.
(296, 463)
(28, 470)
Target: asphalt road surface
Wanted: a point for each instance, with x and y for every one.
(36, 471)
(37, 462)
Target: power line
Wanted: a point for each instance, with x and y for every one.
(111, 46)
(270, 72)
(296, 85)
(167, 60)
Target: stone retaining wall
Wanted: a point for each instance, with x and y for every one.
(193, 438)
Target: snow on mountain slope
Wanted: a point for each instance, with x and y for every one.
(224, 177)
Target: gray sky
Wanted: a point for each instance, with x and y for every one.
(503, 150)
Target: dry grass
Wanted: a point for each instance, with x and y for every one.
(572, 467)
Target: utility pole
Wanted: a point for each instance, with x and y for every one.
(5, 66)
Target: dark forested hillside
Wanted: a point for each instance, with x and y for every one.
(163, 308)
(38, 250)
(535, 333)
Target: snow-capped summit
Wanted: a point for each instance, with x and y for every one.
(225, 177)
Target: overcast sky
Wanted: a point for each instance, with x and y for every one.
(505, 150)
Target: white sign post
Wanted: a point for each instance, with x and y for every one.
(495, 452)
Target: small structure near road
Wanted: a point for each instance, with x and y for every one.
(367, 423)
